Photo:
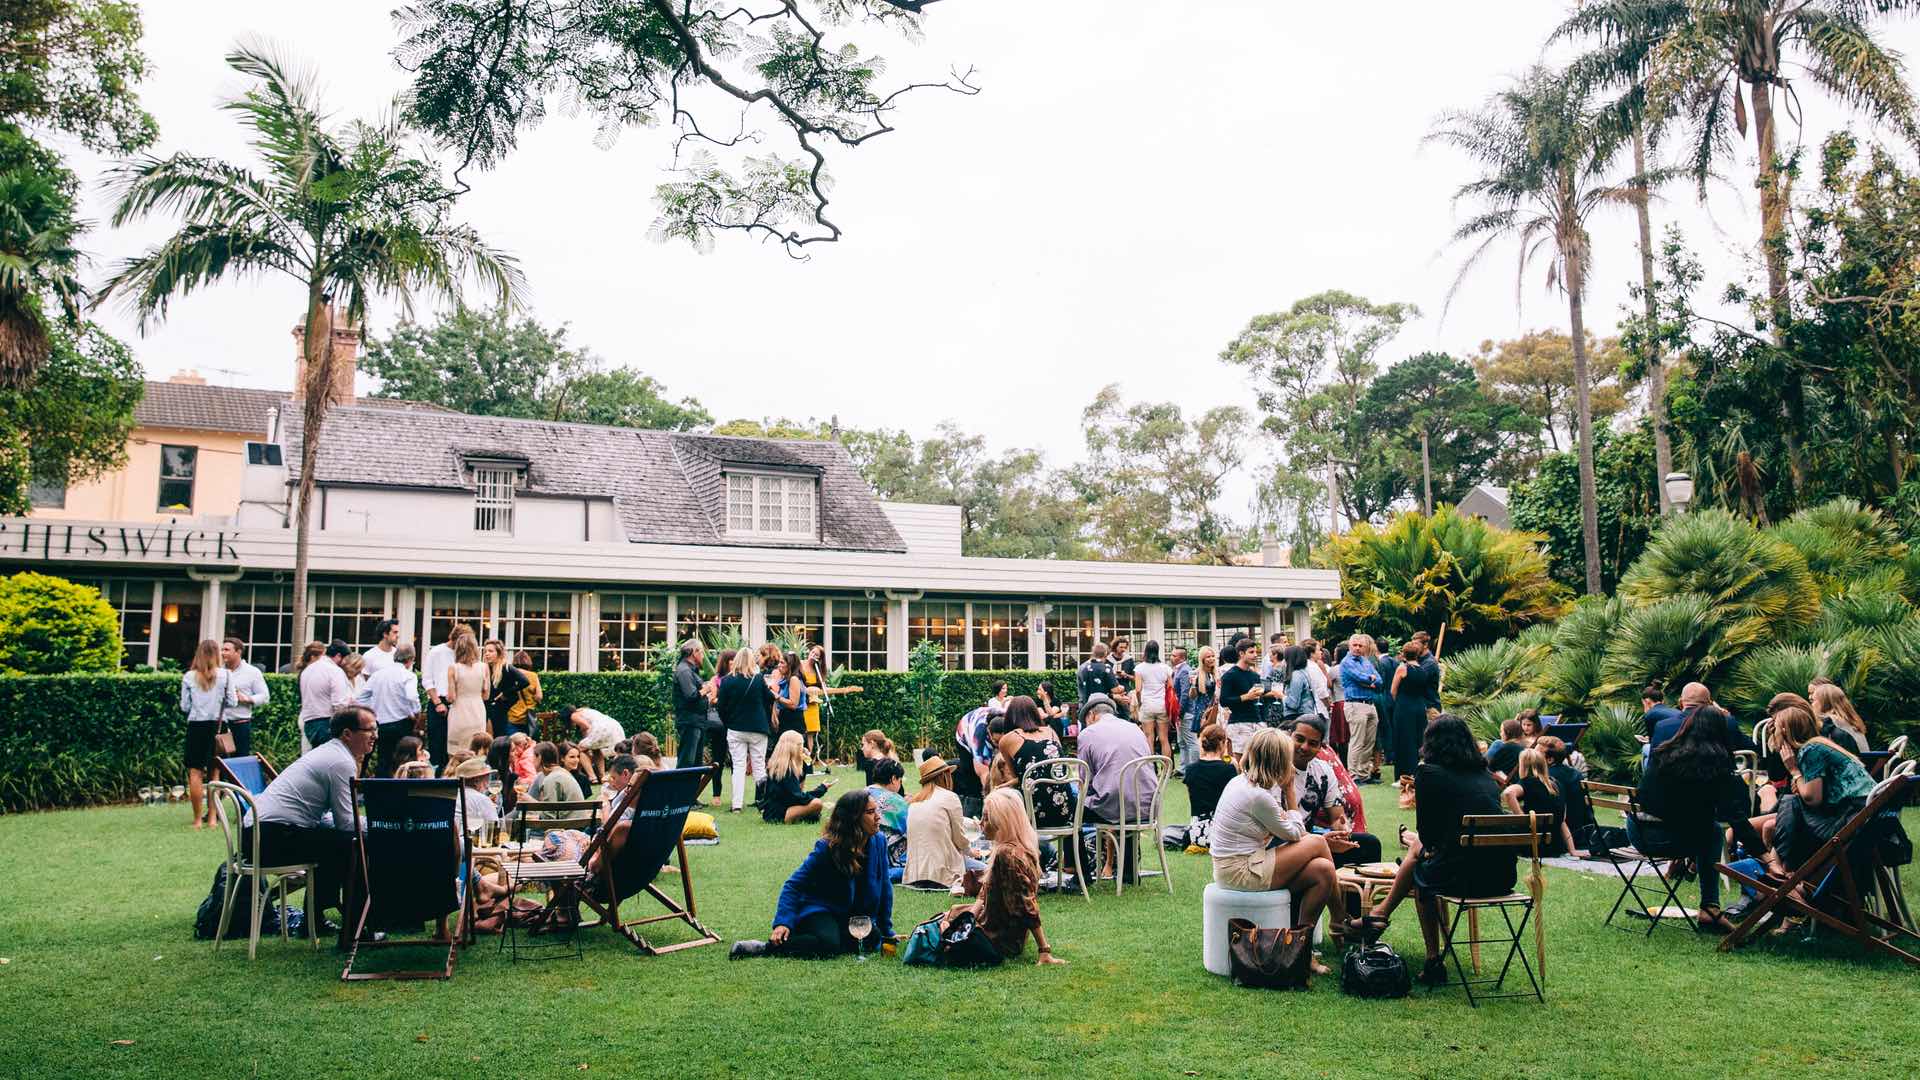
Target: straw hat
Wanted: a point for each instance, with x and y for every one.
(471, 768)
(933, 765)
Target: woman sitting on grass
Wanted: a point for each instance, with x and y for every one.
(1534, 791)
(785, 801)
(1260, 837)
(843, 876)
(936, 844)
(875, 747)
(1009, 905)
(555, 783)
(1452, 781)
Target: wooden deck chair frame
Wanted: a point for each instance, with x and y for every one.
(1497, 831)
(1829, 868)
(555, 942)
(224, 771)
(1038, 775)
(578, 890)
(443, 934)
(1627, 801)
(1149, 825)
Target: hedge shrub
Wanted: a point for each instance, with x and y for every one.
(49, 624)
(76, 740)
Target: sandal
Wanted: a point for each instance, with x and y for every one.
(1435, 973)
(1366, 929)
(1716, 922)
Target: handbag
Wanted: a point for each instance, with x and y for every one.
(1375, 971)
(1173, 700)
(223, 745)
(963, 944)
(1270, 958)
(923, 945)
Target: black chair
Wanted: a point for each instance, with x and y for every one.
(412, 849)
(1627, 862)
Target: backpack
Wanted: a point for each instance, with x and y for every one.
(1375, 971)
(207, 919)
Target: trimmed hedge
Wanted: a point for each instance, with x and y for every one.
(77, 740)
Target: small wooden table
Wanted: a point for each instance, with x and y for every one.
(1367, 888)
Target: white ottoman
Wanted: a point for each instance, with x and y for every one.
(1220, 904)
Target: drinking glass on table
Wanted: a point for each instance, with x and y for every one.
(860, 926)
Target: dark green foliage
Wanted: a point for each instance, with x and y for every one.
(71, 423)
(1628, 505)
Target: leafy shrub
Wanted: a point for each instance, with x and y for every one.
(1755, 586)
(1778, 669)
(51, 626)
(1671, 641)
(1611, 746)
(1571, 676)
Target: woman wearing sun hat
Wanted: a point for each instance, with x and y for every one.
(936, 845)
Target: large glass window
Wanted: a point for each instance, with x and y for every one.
(943, 622)
(631, 626)
(179, 621)
(262, 617)
(1229, 622)
(471, 606)
(177, 464)
(541, 625)
(773, 506)
(1124, 621)
(804, 619)
(1188, 627)
(999, 636)
(134, 601)
(709, 618)
(859, 635)
(1069, 635)
(350, 613)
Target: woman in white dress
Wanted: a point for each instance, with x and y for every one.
(467, 691)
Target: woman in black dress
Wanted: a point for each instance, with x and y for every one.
(1411, 683)
(1028, 743)
(1535, 791)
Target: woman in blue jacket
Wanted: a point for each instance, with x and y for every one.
(843, 876)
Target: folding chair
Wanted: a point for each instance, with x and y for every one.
(1626, 800)
(1072, 774)
(231, 805)
(1148, 824)
(252, 772)
(659, 802)
(533, 817)
(1830, 873)
(413, 856)
(1497, 832)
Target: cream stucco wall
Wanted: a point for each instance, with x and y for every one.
(132, 493)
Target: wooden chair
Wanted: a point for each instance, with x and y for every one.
(531, 818)
(413, 853)
(1627, 861)
(1833, 876)
(1147, 824)
(1072, 774)
(231, 804)
(252, 772)
(1501, 832)
(654, 809)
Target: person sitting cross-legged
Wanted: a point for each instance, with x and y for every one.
(844, 876)
(1260, 837)
(1452, 781)
(785, 801)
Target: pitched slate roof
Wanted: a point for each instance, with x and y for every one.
(237, 409)
(667, 487)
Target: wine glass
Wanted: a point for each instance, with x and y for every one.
(860, 926)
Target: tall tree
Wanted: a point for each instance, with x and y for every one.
(1721, 62)
(72, 422)
(1535, 373)
(1153, 478)
(1435, 430)
(1011, 505)
(484, 73)
(349, 214)
(1543, 147)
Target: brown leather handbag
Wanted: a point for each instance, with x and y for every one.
(1270, 958)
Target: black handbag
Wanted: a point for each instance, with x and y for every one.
(1270, 958)
(1375, 971)
(964, 945)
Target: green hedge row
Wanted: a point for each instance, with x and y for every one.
(76, 740)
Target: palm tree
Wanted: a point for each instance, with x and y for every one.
(347, 213)
(37, 260)
(1543, 147)
(1717, 62)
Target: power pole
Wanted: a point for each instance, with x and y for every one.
(1333, 493)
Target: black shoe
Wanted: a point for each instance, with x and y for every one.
(744, 949)
(1435, 973)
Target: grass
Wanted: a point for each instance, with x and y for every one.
(103, 979)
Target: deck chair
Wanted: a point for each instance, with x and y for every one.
(1148, 824)
(252, 773)
(555, 939)
(659, 801)
(413, 850)
(1835, 871)
(1627, 862)
(1070, 773)
(1501, 832)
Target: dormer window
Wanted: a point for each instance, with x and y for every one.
(493, 486)
(773, 506)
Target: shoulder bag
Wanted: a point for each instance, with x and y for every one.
(1375, 971)
(223, 745)
(1270, 958)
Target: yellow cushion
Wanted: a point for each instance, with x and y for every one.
(699, 827)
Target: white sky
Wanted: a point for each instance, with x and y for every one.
(1134, 182)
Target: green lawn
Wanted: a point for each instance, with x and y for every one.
(103, 979)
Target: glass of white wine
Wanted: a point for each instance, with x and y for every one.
(860, 926)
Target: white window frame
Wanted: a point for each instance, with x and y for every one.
(798, 495)
(493, 487)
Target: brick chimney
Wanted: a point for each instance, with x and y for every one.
(345, 341)
(187, 377)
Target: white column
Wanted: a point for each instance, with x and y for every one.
(406, 608)
(896, 633)
(1156, 627)
(213, 613)
(586, 631)
(1036, 637)
(754, 619)
(1302, 622)
(966, 637)
(153, 637)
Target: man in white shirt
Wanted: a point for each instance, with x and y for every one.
(386, 638)
(306, 814)
(249, 692)
(433, 676)
(324, 691)
(393, 693)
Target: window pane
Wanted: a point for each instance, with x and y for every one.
(800, 507)
(179, 621)
(134, 601)
(999, 636)
(1188, 627)
(631, 624)
(1119, 621)
(349, 612)
(770, 504)
(739, 503)
(1069, 636)
(711, 619)
(471, 606)
(804, 619)
(262, 617)
(944, 622)
(177, 462)
(47, 494)
(859, 635)
(542, 627)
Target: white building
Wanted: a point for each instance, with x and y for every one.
(587, 545)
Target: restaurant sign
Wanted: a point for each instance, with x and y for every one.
(56, 541)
